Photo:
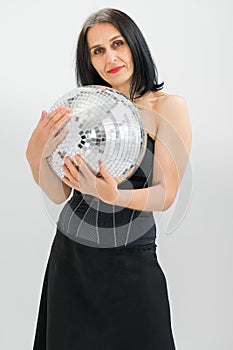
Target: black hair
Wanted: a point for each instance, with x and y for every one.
(145, 76)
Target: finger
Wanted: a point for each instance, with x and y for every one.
(105, 172)
(83, 166)
(59, 126)
(56, 115)
(43, 115)
(59, 137)
(48, 115)
(70, 169)
(70, 179)
(58, 110)
(67, 175)
(74, 183)
(67, 181)
(52, 120)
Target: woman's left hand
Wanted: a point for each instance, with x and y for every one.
(81, 178)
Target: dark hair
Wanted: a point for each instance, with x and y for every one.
(145, 76)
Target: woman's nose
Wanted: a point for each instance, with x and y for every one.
(110, 56)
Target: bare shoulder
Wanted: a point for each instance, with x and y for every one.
(167, 102)
(164, 103)
(173, 110)
(163, 111)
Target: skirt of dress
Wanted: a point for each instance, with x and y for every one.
(103, 299)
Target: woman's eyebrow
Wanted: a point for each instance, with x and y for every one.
(113, 38)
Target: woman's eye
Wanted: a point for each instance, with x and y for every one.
(118, 43)
(98, 51)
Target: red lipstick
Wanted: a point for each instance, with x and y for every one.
(115, 70)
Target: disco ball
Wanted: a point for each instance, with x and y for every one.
(104, 125)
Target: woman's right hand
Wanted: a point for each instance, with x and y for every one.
(49, 132)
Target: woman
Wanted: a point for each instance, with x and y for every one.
(116, 297)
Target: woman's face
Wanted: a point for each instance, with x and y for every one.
(111, 56)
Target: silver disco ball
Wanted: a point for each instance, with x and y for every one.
(104, 125)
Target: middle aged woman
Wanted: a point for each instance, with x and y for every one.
(111, 298)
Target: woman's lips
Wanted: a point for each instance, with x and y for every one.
(115, 70)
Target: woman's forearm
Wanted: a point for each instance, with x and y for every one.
(48, 133)
(154, 198)
(55, 189)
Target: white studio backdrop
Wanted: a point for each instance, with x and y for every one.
(191, 44)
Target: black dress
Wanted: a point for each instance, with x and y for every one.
(103, 287)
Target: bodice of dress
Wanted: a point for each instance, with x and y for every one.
(88, 220)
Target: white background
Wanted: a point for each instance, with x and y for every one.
(191, 42)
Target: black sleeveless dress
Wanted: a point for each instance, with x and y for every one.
(103, 287)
